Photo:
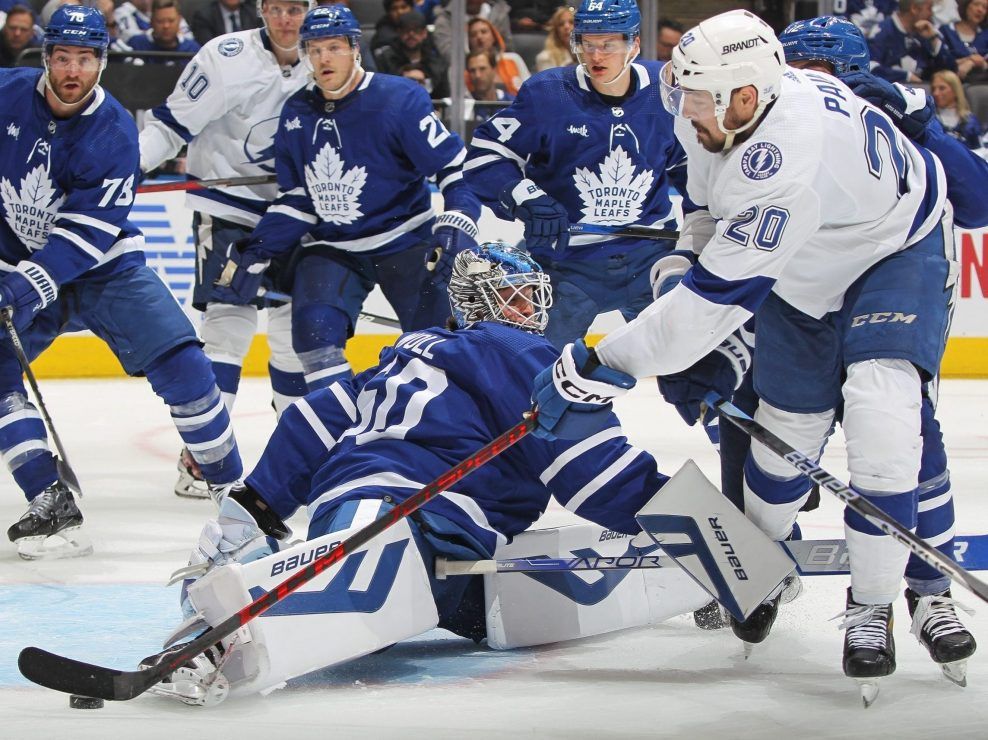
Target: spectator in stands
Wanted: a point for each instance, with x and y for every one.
(558, 51)
(134, 17)
(669, 33)
(953, 110)
(386, 28)
(533, 15)
(106, 7)
(164, 33)
(868, 15)
(363, 43)
(908, 47)
(497, 12)
(511, 68)
(967, 39)
(482, 73)
(17, 34)
(219, 17)
(417, 73)
(427, 8)
(414, 45)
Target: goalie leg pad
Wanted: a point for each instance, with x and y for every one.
(370, 600)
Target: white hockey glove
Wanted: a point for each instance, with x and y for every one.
(668, 271)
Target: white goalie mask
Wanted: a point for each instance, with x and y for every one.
(729, 51)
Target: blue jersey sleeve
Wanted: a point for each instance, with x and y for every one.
(967, 176)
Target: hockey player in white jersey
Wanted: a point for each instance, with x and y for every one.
(824, 222)
(72, 261)
(225, 107)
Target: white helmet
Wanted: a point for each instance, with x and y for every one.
(724, 53)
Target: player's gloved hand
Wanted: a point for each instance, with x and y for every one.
(546, 221)
(25, 290)
(241, 279)
(720, 371)
(911, 109)
(453, 233)
(574, 395)
(668, 271)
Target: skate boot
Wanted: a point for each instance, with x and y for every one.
(869, 649)
(936, 626)
(756, 627)
(51, 527)
(198, 682)
(190, 483)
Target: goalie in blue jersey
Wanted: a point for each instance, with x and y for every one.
(72, 261)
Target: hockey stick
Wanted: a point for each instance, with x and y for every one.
(929, 555)
(219, 182)
(639, 232)
(812, 558)
(274, 295)
(74, 677)
(65, 472)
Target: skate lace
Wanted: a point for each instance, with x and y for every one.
(46, 503)
(866, 625)
(936, 615)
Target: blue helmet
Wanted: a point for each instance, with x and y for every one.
(828, 39)
(329, 20)
(77, 25)
(607, 16)
(480, 282)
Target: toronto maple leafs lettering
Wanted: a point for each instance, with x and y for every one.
(607, 165)
(335, 189)
(31, 207)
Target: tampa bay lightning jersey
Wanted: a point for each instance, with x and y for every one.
(607, 165)
(824, 188)
(66, 185)
(352, 172)
(434, 399)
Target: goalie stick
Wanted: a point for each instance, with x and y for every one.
(75, 677)
(637, 232)
(219, 182)
(65, 472)
(929, 555)
(812, 558)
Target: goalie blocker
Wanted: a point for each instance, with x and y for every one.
(385, 592)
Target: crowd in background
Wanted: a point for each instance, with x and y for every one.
(940, 45)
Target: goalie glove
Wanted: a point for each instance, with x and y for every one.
(453, 233)
(574, 395)
(240, 280)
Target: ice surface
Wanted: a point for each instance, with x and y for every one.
(670, 681)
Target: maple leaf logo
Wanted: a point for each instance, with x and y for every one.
(31, 211)
(335, 193)
(614, 195)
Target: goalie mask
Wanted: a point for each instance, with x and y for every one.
(497, 282)
(827, 39)
(75, 26)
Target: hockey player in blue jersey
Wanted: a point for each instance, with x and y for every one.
(816, 254)
(353, 151)
(589, 144)
(72, 261)
(354, 449)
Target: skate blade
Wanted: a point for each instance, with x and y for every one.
(196, 489)
(869, 690)
(71, 542)
(749, 649)
(956, 672)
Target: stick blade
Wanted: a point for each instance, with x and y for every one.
(75, 677)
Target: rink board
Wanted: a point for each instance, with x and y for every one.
(166, 224)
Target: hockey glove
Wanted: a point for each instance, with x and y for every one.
(574, 395)
(453, 233)
(720, 371)
(668, 271)
(546, 221)
(241, 279)
(25, 291)
(911, 109)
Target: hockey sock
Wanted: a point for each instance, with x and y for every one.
(24, 445)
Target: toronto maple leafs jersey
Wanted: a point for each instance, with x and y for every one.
(352, 172)
(433, 400)
(824, 188)
(225, 106)
(607, 165)
(131, 22)
(66, 185)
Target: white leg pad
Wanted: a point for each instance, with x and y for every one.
(543, 608)
(373, 598)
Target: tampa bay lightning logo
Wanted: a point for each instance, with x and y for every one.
(259, 144)
(761, 161)
(231, 47)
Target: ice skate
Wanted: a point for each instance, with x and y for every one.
(51, 527)
(792, 587)
(710, 617)
(190, 483)
(937, 627)
(869, 649)
(198, 682)
(756, 627)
